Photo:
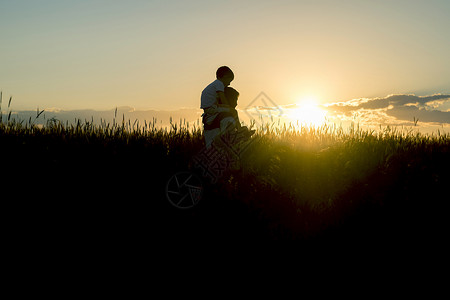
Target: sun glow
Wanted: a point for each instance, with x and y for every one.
(308, 112)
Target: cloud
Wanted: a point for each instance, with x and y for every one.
(424, 115)
(394, 109)
(403, 109)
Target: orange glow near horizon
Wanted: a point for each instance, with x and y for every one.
(308, 112)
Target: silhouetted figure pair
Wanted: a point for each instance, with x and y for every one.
(219, 102)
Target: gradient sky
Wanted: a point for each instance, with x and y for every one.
(101, 54)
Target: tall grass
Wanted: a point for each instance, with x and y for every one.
(295, 181)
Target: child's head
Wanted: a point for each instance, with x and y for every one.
(232, 96)
(225, 75)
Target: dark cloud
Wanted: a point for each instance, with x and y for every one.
(402, 107)
(423, 115)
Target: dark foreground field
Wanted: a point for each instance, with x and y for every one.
(106, 185)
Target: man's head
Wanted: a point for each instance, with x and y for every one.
(232, 96)
(225, 75)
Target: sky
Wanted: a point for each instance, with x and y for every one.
(159, 55)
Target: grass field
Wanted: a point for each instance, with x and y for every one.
(312, 185)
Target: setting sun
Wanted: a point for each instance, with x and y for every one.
(308, 112)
